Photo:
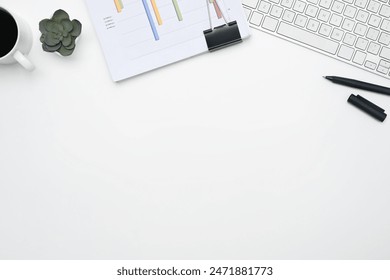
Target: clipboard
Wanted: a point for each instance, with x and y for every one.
(138, 36)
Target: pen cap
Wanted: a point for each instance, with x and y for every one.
(368, 107)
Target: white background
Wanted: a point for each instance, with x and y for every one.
(244, 153)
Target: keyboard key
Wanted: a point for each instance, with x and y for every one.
(362, 16)
(359, 57)
(276, 11)
(374, 20)
(374, 48)
(256, 18)
(348, 24)
(287, 3)
(385, 11)
(384, 63)
(325, 29)
(270, 23)
(299, 6)
(345, 52)
(385, 25)
(308, 38)
(250, 3)
(385, 53)
(337, 6)
(323, 15)
(382, 69)
(360, 29)
(372, 34)
(370, 65)
(384, 38)
(336, 20)
(349, 39)
(337, 34)
(350, 11)
(361, 3)
(300, 20)
(311, 11)
(373, 6)
(313, 25)
(264, 7)
(361, 43)
(325, 3)
(288, 15)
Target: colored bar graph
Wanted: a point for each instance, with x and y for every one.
(151, 22)
(118, 5)
(217, 9)
(177, 9)
(156, 12)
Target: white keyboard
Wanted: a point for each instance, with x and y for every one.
(353, 31)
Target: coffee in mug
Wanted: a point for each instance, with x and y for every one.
(16, 40)
(9, 32)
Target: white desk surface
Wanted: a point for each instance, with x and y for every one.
(252, 156)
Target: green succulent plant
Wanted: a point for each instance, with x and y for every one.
(59, 33)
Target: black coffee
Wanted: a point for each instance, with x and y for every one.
(8, 33)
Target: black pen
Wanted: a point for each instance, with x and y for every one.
(358, 84)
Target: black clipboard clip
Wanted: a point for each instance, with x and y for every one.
(221, 36)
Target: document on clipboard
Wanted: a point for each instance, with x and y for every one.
(141, 35)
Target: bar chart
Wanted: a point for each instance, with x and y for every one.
(152, 11)
(118, 5)
(154, 16)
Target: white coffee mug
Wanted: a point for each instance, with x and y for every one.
(22, 45)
